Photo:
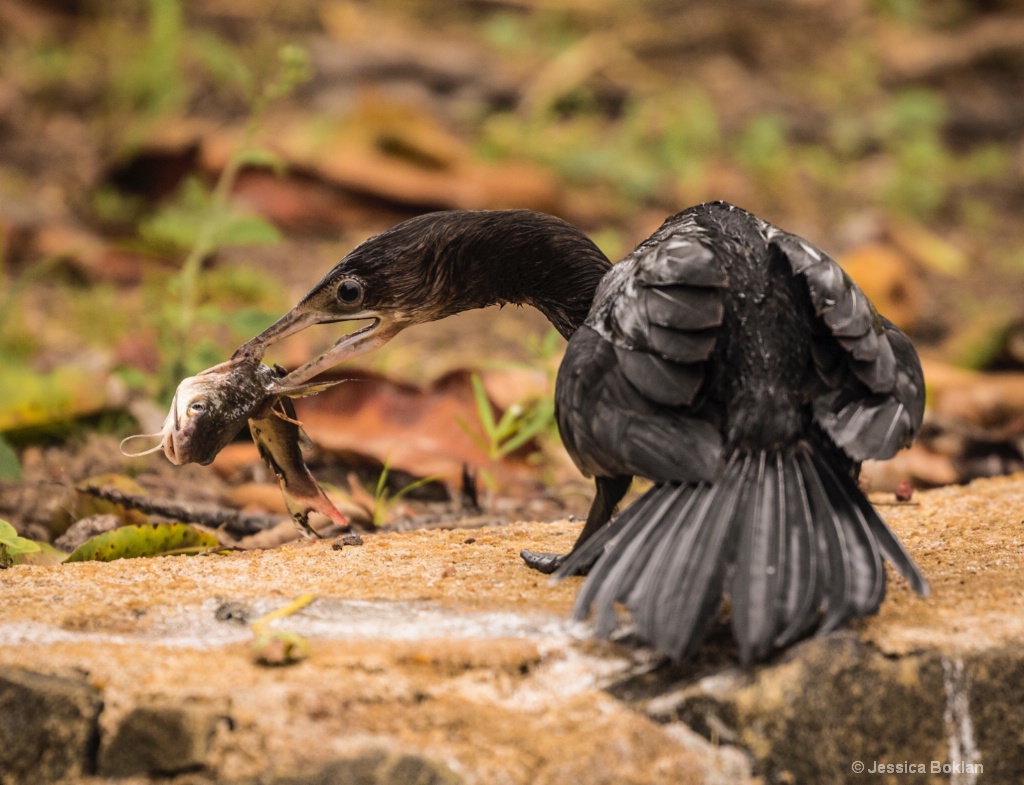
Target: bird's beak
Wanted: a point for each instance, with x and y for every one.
(381, 329)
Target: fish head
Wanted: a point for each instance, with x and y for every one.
(209, 409)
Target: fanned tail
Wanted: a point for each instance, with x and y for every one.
(788, 537)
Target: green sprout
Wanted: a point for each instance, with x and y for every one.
(500, 436)
(384, 499)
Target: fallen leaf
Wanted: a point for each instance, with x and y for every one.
(917, 464)
(412, 429)
(280, 648)
(267, 498)
(154, 539)
(92, 256)
(985, 399)
(398, 154)
(83, 530)
(284, 532)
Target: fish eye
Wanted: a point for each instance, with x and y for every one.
(350, 292)
(195, 408)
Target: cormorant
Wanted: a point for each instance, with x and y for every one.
(733, 364)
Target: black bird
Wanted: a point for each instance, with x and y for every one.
(733, 364)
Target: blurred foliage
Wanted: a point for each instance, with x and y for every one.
(79, 503)
(204, 221)
(637, 109)
(10, 467)
(280, 647)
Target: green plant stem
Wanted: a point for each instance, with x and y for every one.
(191, 267)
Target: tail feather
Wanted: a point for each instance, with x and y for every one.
(638, 551)
(689, 591)
(755, 590)
(790, 538)
(858, 585)
(588, 552)
(801, 590)
(890, 546)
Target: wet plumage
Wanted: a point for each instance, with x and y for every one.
(739, 368)
(732, 363)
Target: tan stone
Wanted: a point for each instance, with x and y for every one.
(443, 646)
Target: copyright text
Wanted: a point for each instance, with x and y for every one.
(912, 767)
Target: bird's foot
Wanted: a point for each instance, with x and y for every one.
(548, 563)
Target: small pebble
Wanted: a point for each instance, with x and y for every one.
(235, 611)
(904, 491)
(347, 539)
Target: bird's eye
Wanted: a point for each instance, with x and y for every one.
(350, 292)
(196, 408)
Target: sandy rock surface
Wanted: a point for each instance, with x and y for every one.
(436, 656)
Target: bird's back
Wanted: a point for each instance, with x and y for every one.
(740, 369)
(759, 372)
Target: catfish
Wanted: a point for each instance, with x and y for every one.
(210, 409)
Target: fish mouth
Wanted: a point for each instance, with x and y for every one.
(382, 327)
(171, 450)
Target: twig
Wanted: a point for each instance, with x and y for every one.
(236, 522)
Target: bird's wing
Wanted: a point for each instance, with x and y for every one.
(629, 398)
(871, 394)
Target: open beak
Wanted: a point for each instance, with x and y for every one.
(381, 329)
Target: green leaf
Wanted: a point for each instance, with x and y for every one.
(13, 545)
(483, 406)
(131, 542)
(182, 221)
(195, 216)
(236, 228)
(532, 424)
(478, 440)
(256, 156)
(31, 399)
(14, 542)
(10, 466)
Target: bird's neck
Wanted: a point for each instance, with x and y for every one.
(523, 257)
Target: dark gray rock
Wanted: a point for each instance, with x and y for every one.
(48, 727)
(377, 767)
(834, 704)
(414, 770)
(159, 739)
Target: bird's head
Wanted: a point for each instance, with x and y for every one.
(404, 276)
(439, 264)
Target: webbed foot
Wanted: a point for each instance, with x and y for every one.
(548, 563)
